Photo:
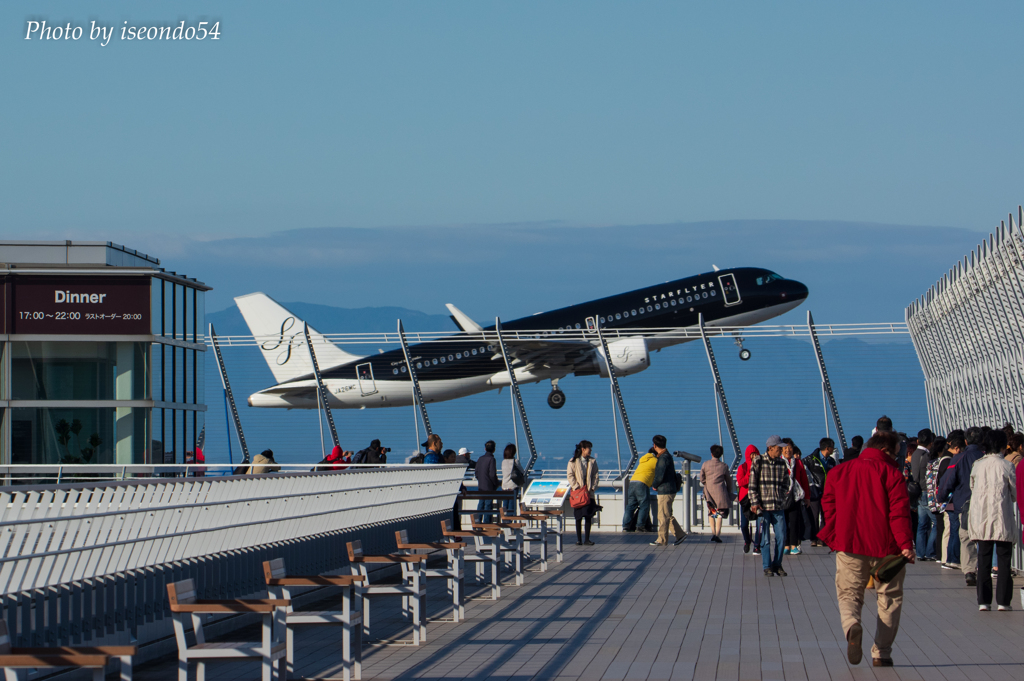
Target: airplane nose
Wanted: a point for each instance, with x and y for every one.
(794, 290)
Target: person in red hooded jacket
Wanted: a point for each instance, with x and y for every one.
(867, 513)
(743, 485)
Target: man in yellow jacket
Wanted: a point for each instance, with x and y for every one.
(638, 496)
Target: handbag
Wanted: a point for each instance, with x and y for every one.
(578, 498)
(886, 570)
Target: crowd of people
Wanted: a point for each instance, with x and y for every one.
(893, 500)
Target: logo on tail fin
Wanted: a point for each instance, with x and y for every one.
(270, 345)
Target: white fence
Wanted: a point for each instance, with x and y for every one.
(82, 561)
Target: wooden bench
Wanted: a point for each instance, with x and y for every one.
(535, 529)
(280, 585)
(546, 523)
(483, 552)
(94, 657)
(412, 588)
(454, 573)
(509, 542)
(269, 649)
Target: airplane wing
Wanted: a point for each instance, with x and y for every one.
(531, 354)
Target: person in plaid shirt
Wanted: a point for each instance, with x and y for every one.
(769, 487)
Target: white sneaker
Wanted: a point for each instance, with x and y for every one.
(1004, 608)
(984, 608)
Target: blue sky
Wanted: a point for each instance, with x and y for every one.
(369, 114)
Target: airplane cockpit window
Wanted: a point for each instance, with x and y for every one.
(771, 276)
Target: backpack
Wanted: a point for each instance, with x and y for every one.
(518, 475)
(360, 456)
(931, 482)
(815, 468)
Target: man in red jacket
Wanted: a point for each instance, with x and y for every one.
(868, 518)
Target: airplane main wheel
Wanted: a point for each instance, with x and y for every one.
(556, 399)
(744, 354)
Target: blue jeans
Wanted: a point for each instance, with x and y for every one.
(485, 505)
(927, 531)
(953, 547)
(777, 521)
(509, 505)
(638, 507)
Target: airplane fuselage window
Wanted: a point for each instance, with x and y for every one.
(435, 361)
(618, 316)
(673, 302)
(404, 370)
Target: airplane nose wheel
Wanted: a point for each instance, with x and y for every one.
(556, 399)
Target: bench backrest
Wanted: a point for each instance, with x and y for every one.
(5, 639)
(446, 526)
(180, 593)
(401, 537)
(355, 549)
(274, 569)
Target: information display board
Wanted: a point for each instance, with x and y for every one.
(550, 493)
(80, 305)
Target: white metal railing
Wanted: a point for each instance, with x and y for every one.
(58, 534)
(684, 332)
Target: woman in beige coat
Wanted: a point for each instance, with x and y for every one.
(991, 522)
(582, 474)
(717, 482)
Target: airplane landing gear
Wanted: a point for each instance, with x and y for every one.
(744, 353)
(556, 398)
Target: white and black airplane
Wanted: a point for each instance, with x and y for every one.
(463, 364)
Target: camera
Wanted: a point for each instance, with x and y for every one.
(385, 449)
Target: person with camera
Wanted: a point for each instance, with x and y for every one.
(374, 454)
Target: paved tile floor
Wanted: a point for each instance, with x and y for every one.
(625, 610)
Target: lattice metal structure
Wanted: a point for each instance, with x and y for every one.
(968, 331)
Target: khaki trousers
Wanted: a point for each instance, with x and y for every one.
(852, 573)
(665, 517)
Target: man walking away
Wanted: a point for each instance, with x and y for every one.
(993, 526)
(638, 495)
(957, 482)
(486, 480)
(818, 463)
(854, 451)
(666, 485)
(868, 519)
(919, 461)
(769, 485)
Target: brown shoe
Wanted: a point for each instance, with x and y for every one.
(854, 644)
(882, 662)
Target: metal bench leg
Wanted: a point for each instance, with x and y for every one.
(268, 642)
(200, 670)
(543, 548)
(126, 668)
(346, 651)
(289, 653)
(12, 674)
(99, 674)
(182, 668)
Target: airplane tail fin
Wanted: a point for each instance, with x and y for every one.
(279, 334)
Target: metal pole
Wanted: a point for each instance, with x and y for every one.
(227, 427)
(825, 382)
(615, 429)
(417, 396)
(824, 406)
(720, 390)
(321, 391)
(517, 397)
(231, 398)
(622, 405)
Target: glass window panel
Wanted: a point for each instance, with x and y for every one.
(156, 313)
(79, 370)
(73, 435)
(201, 316)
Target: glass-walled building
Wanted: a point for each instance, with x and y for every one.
(99, 361)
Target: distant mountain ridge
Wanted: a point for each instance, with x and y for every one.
(330, 319)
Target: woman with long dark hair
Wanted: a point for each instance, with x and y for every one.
(582, 474)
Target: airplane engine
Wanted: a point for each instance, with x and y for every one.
(629, 356)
